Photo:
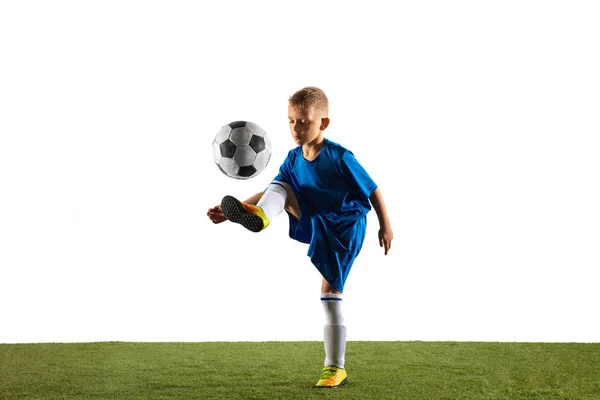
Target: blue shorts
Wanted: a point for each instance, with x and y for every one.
(333, 244)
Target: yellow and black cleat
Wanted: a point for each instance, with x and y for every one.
(332, 377)
(249, 216)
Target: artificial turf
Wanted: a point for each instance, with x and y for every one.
(288, 370)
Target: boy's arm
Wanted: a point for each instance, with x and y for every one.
(385, 227)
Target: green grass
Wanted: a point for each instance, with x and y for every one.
(287, 370)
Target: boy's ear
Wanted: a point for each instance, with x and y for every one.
(324, 123)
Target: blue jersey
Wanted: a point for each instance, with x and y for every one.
(333, 192)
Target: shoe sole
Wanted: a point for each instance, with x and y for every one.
(342, 383)
(235, 212)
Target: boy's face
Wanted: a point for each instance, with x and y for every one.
(306, 125)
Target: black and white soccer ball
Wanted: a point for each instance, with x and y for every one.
(241, 149)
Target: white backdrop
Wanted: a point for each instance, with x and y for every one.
(478, 120)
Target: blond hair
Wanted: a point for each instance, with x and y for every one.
(308, 97)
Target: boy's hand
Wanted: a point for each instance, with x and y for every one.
(385, 238)
(216, 214)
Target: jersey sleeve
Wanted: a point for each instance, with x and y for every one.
(356, 175)
(285, 170)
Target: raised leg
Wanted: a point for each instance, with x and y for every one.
(291, 203)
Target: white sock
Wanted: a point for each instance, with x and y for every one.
(335, 330)
(273, 200)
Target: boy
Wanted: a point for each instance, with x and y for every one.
(327, 194)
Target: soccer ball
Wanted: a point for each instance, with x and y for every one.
(241, 149)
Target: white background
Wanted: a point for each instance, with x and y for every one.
(478, 120)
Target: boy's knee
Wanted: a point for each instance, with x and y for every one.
(288, 188)
(291, 203)
(327, 288)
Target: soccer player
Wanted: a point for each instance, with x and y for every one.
(326, 194)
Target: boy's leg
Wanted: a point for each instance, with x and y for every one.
(291, 204)
(327, 288)
(333, 374)
(277, 197)
(271, 203)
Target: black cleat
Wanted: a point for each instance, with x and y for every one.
(249, 216)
